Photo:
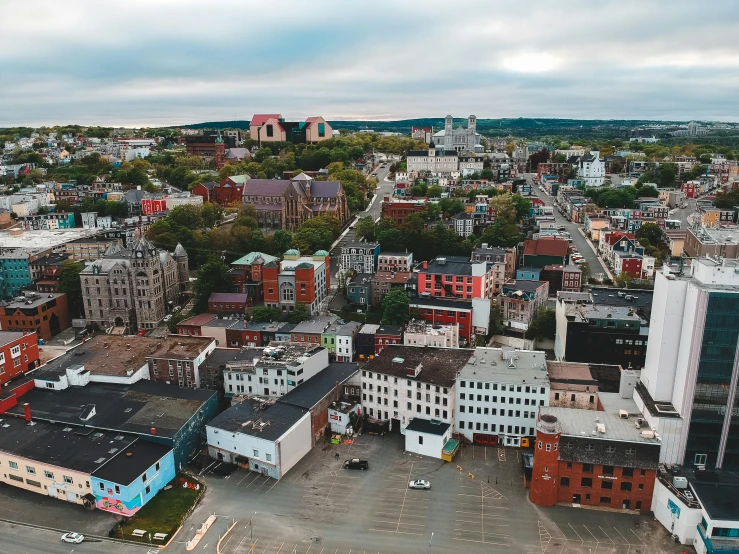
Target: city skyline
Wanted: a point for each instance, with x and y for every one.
(169, 64)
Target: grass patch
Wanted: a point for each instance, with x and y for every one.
(162, 514)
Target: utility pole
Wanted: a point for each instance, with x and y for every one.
(251, 529)
(430, 540)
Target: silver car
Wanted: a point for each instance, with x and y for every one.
(74, 538)
(419, 484)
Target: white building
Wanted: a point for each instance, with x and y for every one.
(278, 370)
(422, 333)
(464, 224)
(360, 257)
(346, 345)
(691, 366)
(591, 169)
(395, 261)
(407, 382)
(459, 139)
(499, 393)
(427, 437)
(433, 160)
(471, 164)
(265, 438)
(570, 152)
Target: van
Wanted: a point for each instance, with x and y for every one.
(356, 463)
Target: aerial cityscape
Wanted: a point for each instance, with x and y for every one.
(271, 284)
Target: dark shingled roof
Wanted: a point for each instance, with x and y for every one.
(439, 366)
(124, 469)
(430, 427)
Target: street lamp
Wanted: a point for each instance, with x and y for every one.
(251, 528)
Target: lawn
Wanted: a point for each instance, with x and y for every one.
(164, 513)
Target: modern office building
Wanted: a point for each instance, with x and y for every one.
(688, 388)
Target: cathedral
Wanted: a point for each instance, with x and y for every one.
(129, 289)
(462, 140)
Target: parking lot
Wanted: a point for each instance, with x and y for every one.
(477, 503)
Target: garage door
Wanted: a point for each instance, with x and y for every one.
(72, 497)
(52, 492)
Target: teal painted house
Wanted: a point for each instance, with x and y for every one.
(15, 272)
(133, 477)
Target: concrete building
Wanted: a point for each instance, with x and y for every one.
(498, 395)
(421, 333)
(688, 385)
(702, 241)
(427, 437)
(134, 288)
(456, 277)
(408, 382)
(433, 160)
(590, 458)
(520, 301)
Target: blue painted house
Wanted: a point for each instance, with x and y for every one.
(15, 272)
(528, 273)
(358, 289)
(129, 480)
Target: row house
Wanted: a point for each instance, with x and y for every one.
(497, 255)
(251, 334)
(386, 336)
(562, 278)
(471, 316)
(395, 261)
(311, 331)
(637, 265)
(544, 251)
(408, 382)
(228, 303)
(520, 301)
(456, 277)
(360, 257)
(384, 281)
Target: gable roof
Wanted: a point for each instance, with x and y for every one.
(260, 119)
(545, 247)
(265, 187)
(613, 238)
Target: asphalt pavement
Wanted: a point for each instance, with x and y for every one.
(582, 244)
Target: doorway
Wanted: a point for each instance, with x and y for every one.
(576, 498)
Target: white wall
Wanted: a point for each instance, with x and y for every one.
(683, 524)
(432, 444)
(294, 444)
(232, 444)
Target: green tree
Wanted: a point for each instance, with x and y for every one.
(71, 285)
(522, 205)
(365, 229)
(543, 325)
(650, 234)
(648, 191)
(282, 240)
(262, 314)
(502, 233)
(212, 277)
(300, 313)
(395, 307)
(496, 325)
(624, 280)
(434, 192)
(585, 271)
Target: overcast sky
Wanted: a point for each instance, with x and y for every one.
(167, 62)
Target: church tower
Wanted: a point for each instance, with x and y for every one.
(148, 284)
(183, 269)
(448, 133)
(472, 132)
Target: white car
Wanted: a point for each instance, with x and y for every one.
(580, 261)
(419, 484)
(74, 538)
(167, 318)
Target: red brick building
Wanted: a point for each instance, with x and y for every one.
(440, 311)
(209, 147)
(562, 277)
(593, 458)
(398, 210)
(229, 191)
(387, 335)
(46, 314)
(18, 354)
(227, 303)
(192, 325)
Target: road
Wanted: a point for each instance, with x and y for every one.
(17, 539)
(578, 239)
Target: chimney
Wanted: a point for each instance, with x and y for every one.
(27, 412)
(425, 265)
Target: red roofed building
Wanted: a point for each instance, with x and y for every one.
(544, 251)
(274, 128)
(192, 326)
(267, 127)
(229, 191)
(228, 302)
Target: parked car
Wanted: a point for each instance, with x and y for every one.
(356, 463)
(176, 309)
(141, 333)
(167, 318)
(419, 484)
(74, 538)
(580, 261)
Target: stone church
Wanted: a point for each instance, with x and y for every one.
(130, 289)
(459, 139)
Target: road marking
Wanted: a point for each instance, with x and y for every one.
(400, 532)
(482, 542)
(624, 538)
(501, 455)
(589, 531)
(637, 538)
(606, 534)
(578, 534)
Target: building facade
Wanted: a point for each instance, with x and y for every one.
(297, 280)
(360, 257)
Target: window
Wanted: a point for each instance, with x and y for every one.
(625, 486)
(48, 475)
(101, 486)
(589, 447)
(569, 465)
(627, 472)
(12, 465)
(630, 451)
(608, 485)
(607, 470)
(556, 397)
(31, 470)
(117, 489)
(586, 482)
(587, 468)
(268, 457)
(67, 479)
(605, 500)
(564, 482)
(549, 447)
(539, 445)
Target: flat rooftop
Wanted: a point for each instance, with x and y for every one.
(44, 238)
(612, 403)
(131, 462)
(135, 408)
(438, 366)
(582, 424)
(586, 312)
(507, 365)
(315, 389)
(571, 376)
(232, 358)
(316, 324)
(76, 448)
(718, 492)
(268, 421)
(428, 426)
(198, 320)
(32, 299)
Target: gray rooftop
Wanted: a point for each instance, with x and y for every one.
(593, 311)
(315, 389)
(259, 419)
(612, 402)
(582, 423)
(506, 366)
(316, 324)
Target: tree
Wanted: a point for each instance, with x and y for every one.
(496, 325)
(585, 271)
(502, 233)
(543, 325)
(212, 277)
(211, 213)
(71, 285)
(648, 191)
(395, 307)
(542, 156)
(282, 240)
(434, 192)
(262, 314)
(624, 279)
(650, 234)
(522, 206)
(300, 313)
(365, 229)
(617, 167)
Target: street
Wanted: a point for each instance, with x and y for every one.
(582, 244)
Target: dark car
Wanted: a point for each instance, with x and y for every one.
(356, 463)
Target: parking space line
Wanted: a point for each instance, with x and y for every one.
(606, 534)
(626, 541)
(578, 534)
(637, 538)
(561, 532)
(482, 542)
(401, 532)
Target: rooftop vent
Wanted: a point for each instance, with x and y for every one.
(99, 460)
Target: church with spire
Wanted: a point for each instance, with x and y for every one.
(130, 289)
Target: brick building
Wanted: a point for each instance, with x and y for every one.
(297, 280)
(395, 261)
(46, 314)
(383, 281)
(593, 458)
(18, 354)
(457, 277)
(246, 274)
(398, 210)
(229, 191)
(176, 360)
(387, 335)
(562, 277)
(208, 147)
(228, 303)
